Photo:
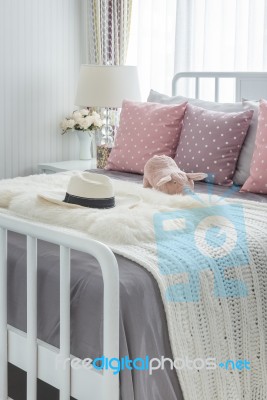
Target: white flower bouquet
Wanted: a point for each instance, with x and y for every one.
(82, 120)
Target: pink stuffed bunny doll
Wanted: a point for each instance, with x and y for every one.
(162, 173)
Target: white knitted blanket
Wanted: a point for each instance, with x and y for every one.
(204, 326)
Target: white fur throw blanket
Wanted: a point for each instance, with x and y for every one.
(220, 327)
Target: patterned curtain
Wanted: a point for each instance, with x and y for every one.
(108, 28)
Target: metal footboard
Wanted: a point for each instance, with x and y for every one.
(37, 358)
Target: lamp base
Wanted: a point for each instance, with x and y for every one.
(108, 128)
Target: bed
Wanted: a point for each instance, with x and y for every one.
(74, 282)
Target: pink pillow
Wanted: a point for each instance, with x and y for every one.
(211, 142)
(257, 181)
(146, 129)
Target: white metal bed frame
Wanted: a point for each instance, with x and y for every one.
(248, 85)
(39, 359)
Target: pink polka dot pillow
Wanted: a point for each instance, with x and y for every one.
(257, 181)
(211, 142)
(146, 129)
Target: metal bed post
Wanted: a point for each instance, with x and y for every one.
(3, 314)
(65, 322)
(32, 372)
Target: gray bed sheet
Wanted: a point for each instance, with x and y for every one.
(200, 187)
(143, 326)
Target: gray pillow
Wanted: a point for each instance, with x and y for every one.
(243, 165)
(156, 97)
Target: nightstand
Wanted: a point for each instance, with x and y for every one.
(77, 165)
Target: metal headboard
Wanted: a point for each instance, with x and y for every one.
(249, 85)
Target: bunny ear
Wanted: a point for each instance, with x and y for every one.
(164, 180)
(197, 176)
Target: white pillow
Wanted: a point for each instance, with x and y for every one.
(156, 97)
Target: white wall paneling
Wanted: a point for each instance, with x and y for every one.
(40, 56)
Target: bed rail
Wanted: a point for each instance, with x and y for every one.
(249, 85)
(37, 358)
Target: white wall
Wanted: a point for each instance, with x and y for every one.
(40, 56)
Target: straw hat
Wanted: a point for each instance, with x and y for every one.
(90, 190)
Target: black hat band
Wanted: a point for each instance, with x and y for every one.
(88, 202)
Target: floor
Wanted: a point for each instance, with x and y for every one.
(17, 386)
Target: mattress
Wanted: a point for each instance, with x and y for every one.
(143, 326)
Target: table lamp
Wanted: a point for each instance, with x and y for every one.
(106, 86)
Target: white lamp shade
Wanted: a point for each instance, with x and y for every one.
(107, 85)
